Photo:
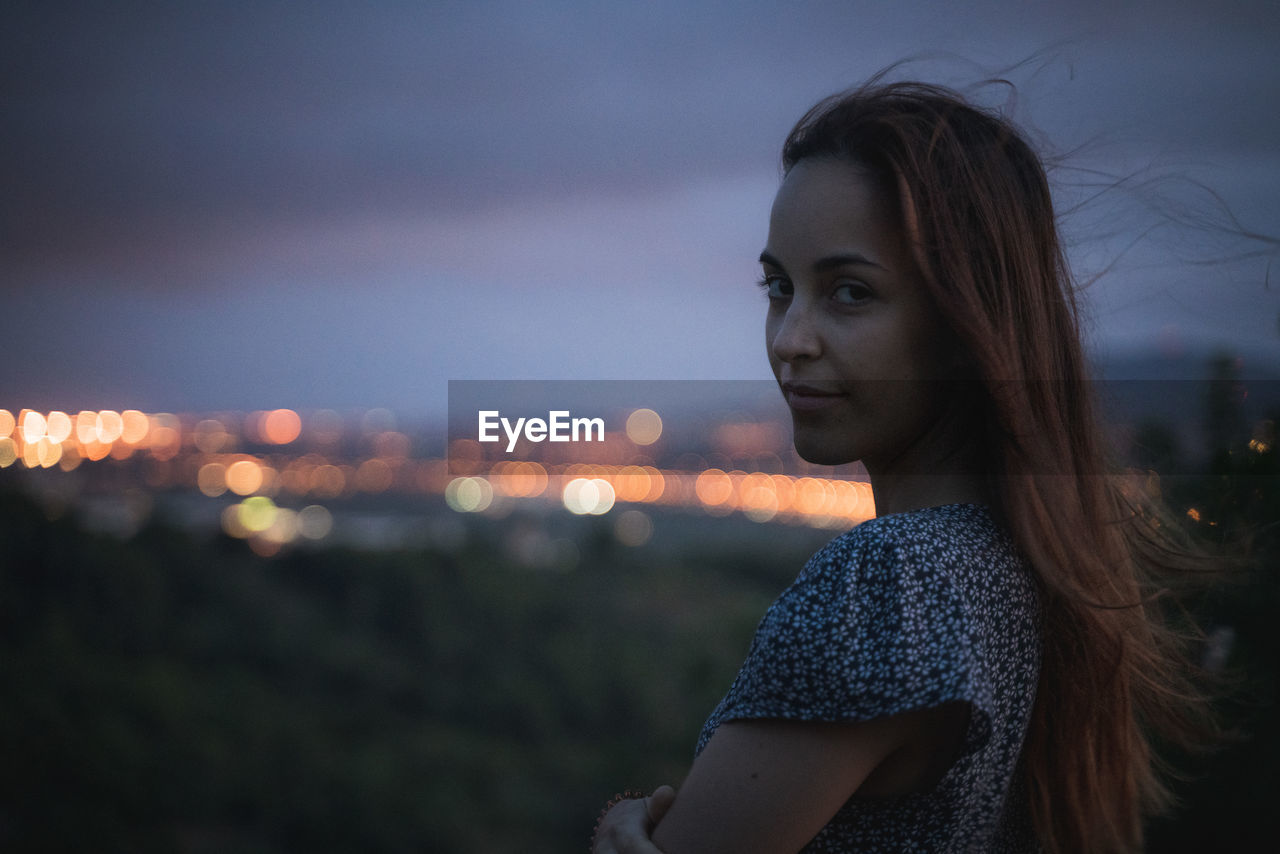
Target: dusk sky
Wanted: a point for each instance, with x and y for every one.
(248, 205)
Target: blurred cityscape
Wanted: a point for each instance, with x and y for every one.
(279, 630)
(280, 478)
(277, 478)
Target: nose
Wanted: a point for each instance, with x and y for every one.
(795, 335)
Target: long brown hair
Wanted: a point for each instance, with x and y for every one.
(977, 208)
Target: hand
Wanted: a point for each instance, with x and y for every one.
(625, 829)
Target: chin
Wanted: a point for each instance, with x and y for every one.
(820, 450)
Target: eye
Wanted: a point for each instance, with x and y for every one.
(775, 286)
(852, 293)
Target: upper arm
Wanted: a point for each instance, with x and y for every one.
(870, 636)
(771, 785)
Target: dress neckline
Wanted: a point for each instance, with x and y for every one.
(986, 508)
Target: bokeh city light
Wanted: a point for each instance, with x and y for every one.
(278, 466)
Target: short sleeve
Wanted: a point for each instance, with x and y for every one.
(872, 627)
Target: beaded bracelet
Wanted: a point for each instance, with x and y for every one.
(618, 798)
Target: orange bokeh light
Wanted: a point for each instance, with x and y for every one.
(164, 437)
(519, 479)
(328, 481)
(244, 477)
(32, 426)
(86, 426)
(212, 479)
(644, 427)
(784, 489)
(58, 425)
(280, 426)
(632, 483)
(134, 426)
(374, 476)
(811, 496)
(7, 423)
(94, 450)
(165, 443)
(713, 487)
(759, 497)
(110, 425)
(48, 452)
(657, 484)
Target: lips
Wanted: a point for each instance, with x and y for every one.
(809, 398)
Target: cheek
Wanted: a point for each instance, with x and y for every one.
(771, 332)
(902, 351)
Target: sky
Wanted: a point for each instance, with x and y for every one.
(244, 205)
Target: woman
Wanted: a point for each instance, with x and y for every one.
(979, 668)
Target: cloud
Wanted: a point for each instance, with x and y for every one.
(133, 128)
(172, 166)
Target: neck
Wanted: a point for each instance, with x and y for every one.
(943, 466)
(898, 493)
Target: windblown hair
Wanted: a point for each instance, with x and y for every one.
(977, 209)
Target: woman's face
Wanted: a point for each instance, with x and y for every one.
(854, 341)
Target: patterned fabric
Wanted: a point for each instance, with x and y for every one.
(904, 612)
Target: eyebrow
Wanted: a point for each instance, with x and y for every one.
(829, 262)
